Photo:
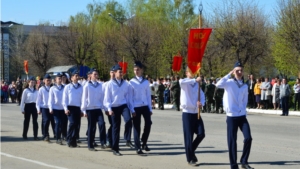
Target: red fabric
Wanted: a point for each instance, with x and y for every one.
(197, 43)
(123, 65)
(4, 88)
(177, 61)
(26, 66)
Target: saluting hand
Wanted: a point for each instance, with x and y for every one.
(198, 79)
(111, 113)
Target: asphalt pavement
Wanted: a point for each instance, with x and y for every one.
(276, 144)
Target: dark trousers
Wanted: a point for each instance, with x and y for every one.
(137, 125)
(116, 121)
(30, 110)
(19, 96)
(60, 121)
(78, 128)
(251, 99)
(46, 118)
(177, 101)
(191, 126)
(285, 105)
(210, 104)
(74, 118)
(233, 123)
(161, 102)
(297, 101)
(64, 126)
(218, 104)
(109, 131)
(52, 122)
(95, 116)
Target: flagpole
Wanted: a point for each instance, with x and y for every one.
(199, 85)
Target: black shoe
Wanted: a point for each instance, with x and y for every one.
(103, 146)
(36, 138)
(47, 139)
(117, 153)
(95, 144)
(78, 141)
(282, 115)
(25, 137)
(139, 152)
(108, 145)
(129, 144)
(145, 147)
(59, 141)
(92, 149)
(195, 158)
(246, 166)
(192, 163)
(54, 136)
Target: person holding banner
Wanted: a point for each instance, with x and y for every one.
(191, 124)
(235, 102)
(141, 105)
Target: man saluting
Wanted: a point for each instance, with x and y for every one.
(234, 102)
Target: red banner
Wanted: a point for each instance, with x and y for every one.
(123, 65)
(177, 61)
(197, 43)
(26, 66)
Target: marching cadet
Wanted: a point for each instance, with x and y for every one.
(235, 101)
(56, 108)
(191, 124)
(42, 106)
(140, 106)
(109, 130)
(116, 100)
(160, 94)
(28, 108)
(175, 88)
(71, 102)
(92, 103)
(64, 126)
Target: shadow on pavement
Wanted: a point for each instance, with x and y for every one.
(260, 162)
(15, 139)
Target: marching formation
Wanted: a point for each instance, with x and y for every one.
(67, 103)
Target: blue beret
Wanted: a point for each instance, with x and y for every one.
(63, 74)
(75, 72)
(138, 64)
(238, 64)
(59, 75)
(117, 67)
(92, 70)
(32, 79)
(47, 76)
(112, 68)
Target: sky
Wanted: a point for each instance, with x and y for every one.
(33, 12)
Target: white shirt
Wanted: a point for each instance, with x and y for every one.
(189, 95)
(28, 96)
(42, 98)
(116, 94)
(152, 91)
(235, 96)
(55, 98)
(72, 95)
(92, 97)
(140, 93)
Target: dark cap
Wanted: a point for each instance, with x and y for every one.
(63, 74)
(138, 64)
(238, 64)
(59, 75)
(32, 79)
(47, 76)
(112, 68)
(75, 72)
(117, 67)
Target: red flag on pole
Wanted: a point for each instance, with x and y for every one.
(26, 66)
(197, 43)
(177, 61)
(123, 65)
